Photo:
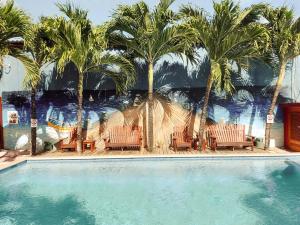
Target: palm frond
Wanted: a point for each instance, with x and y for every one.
(231, 36)
(284, 32)
(14, 25)
(77, 41)
(73, 12)
(116, 67)
(32, 70)
(150, 35)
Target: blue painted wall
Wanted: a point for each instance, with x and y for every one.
(174, 81)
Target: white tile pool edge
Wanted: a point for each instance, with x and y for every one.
(151, 157)
(12, 165)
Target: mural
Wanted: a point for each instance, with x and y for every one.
(178, 100)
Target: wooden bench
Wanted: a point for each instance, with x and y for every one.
(180, 138)
(228, 135)
(70, 141)
(120, 137)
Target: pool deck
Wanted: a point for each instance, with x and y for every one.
(11, 160)
(6, 164)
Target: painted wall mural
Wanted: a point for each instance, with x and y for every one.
(178, 100)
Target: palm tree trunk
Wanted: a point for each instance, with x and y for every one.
(1, 69)
(33, 117)
(145, 139)
(204, 110)
(273, 104)
(79, 112)
(192, 120)
(1, 126)
(150, 108)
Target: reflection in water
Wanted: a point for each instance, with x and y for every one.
(278, 200)
(18, 207)
(152, 192)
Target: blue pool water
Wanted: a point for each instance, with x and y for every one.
(152, 192)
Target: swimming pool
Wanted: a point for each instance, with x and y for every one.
(245, 191)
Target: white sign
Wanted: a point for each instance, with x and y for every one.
(33, 122)
(270, 118)
(13, 117)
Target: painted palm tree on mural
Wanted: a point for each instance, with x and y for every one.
(76, 41)
(176, 80)
(14, 25)
(230, 37)
(148, 36)
(285, 38)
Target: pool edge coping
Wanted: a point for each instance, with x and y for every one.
(145, 157)
(13, 165)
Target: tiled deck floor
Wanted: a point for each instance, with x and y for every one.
(144, 152)
(7, 163)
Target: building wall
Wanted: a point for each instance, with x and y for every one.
(176, 85)
(12, 75)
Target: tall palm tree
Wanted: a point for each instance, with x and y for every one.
(285, 38)
(76, 41)
(14, 25)
(148, 36)
(38, 47)
(230, 37)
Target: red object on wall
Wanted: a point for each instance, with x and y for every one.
(292, 126)
(1, 126)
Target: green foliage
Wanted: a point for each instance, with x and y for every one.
(76, 40)
(231, 37)
(39, 47)
(14, 26)
(150, 35)
(284, 31)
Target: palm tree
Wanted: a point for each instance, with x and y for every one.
(14, 25)
(230, 37)
(148, 36)
(76, 41)
(285, 39)
(38, 47)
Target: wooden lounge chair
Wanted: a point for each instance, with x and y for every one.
(180, 138)
(70, 141)
(120, 137)
(228, 135)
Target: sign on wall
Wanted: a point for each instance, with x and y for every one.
(13, 117)
(33, 122)
(270, 118)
